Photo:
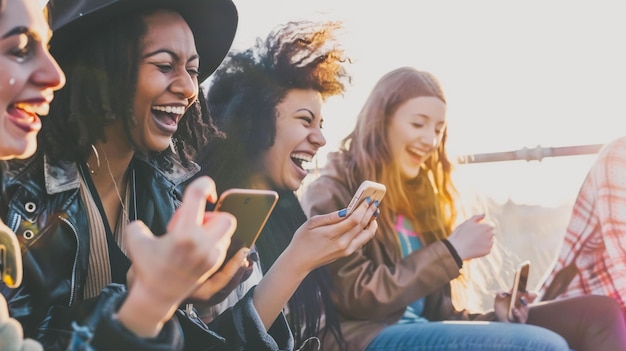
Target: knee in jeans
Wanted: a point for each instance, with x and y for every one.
(547, 340)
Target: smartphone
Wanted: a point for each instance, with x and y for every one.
(10, 259)
(519, 286)
(251, 208)
(373, 190)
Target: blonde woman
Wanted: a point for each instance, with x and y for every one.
(394, 293)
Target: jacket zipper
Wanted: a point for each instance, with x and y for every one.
(13, 222)
(72, 290)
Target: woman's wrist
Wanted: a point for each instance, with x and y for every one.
(144, 313)
(298, 267)
(454, 253)
(276, 287)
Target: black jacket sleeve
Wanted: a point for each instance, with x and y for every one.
(104, 331)
(242, 328)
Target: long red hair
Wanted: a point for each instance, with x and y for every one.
(427, 200)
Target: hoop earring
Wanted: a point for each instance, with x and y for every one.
(95, 151)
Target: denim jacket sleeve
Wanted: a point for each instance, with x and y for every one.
(103, 331)
(242, 328)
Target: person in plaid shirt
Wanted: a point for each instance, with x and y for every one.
(596, 234)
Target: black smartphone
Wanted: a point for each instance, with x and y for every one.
(10, 258)
(519, 286)
(251, 208)
(373, 190)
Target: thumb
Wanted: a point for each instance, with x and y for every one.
(477, 218)
(31, 345)
(173, 220)
(138, 237)
(4, 311)
(326, 219)
(532, 296)
(11, 335)
(502, 295)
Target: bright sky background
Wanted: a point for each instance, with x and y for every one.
(516, 74)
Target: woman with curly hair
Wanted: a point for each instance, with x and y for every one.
(268, 101)
(394, 293)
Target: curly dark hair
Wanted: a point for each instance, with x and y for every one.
(246, 89)
(242, 98)
(101, 72)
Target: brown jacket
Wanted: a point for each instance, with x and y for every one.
(375, 284)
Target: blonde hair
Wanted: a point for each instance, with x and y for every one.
(427, 200)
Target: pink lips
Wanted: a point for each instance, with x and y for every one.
(26, 121)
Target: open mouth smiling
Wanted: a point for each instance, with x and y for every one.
(167, 117)
(25, 115)
(298, 158)
(33, 109)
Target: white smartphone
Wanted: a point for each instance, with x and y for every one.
(519, 286)
(252, 208)
(373, 190)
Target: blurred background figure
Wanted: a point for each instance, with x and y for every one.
(592, 257)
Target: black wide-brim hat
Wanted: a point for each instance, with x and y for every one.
(212, 22)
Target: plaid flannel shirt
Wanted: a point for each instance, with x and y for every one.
(597, 230)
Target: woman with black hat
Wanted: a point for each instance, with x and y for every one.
(119, 143)
(28, 78)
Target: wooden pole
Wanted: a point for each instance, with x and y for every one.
(535, 154)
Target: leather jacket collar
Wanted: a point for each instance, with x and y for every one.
(62, 176)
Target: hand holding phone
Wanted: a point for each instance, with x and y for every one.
(519, 287)
(375, 191)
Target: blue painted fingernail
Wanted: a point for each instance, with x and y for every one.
(376, 213)
(343, 213)
(376, 203)
(368, 200)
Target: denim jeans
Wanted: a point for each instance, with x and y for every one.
(467, 336)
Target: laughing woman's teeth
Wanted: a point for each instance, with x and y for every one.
(299, 159)
(179, 110)
(38, 109)
(302, 157)
(416, 152)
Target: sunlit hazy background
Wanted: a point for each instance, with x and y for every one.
(517, 74)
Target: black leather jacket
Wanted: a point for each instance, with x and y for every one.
(42, 206)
